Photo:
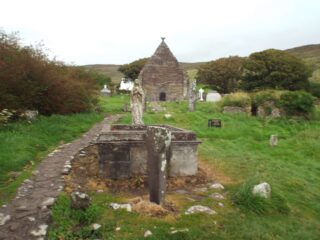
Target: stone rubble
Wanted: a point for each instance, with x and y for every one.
(262, 190)
(42, 231)
(216, 186)
(220, 204)
(80, 200)
(216, 196)
(4, 219)
(126, 206)
(180, 230)
(96, 226)
(147, 233)
(48, 202)
(200, 209)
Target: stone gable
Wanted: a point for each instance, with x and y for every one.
(162, 78)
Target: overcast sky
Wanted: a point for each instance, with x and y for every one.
(120, 31)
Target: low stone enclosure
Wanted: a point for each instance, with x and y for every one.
(123, 152)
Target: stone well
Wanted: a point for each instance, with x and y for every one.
(123, 153)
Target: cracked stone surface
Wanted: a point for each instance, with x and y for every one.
(28, 215)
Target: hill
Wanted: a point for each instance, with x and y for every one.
(310, 54)
(109, 69)
(112, 70)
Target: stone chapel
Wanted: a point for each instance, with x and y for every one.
(162, 78)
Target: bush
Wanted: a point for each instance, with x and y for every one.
(297, 103)
(239, 99)
(262, 97)
(315, 89)
(29, 80)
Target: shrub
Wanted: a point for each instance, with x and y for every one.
(315, 89)
(29, 80)
(262, 97)
(297, 103)
(239, 99)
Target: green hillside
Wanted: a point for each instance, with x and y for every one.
(112, 70)
(310, 54)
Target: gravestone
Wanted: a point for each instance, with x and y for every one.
(214, 123)
(192, 96)
(213, 97)
(158, 142)
(105, 91)
(137, 103)
(273, 140)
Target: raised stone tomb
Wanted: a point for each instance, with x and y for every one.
(123, 152)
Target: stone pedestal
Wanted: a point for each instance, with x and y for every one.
(158, 142)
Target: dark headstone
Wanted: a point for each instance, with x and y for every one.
(80, 200)
(214, 123)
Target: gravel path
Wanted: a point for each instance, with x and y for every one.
(28, 215)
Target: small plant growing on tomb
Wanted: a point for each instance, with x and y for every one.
(239, 99)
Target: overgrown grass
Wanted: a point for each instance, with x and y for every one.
(66, 220)
(24, 144)
(240, 153)
(240, 150)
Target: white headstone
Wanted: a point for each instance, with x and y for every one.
(126, 85)
(213, 97)
(105, 90)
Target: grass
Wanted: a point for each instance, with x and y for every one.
(240, 154)
(23, 145)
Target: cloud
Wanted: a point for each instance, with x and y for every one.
(120, 31)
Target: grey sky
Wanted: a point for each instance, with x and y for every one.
(120, 31)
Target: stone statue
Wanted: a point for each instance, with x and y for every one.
(137, 103)
(192, 96)
(201, 94)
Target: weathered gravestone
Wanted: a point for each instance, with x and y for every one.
(273, 140)
(192, 96)
(137, 103)
(158, 142)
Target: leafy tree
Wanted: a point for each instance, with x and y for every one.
(133, 69)
(223, 74)
(274, 69)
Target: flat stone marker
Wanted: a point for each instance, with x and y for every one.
(158, 142)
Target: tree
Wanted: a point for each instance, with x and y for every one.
(133, 69)
(274, 69)
(223, 74)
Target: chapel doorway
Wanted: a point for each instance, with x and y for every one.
(162, 96)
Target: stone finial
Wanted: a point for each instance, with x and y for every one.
(163, 38)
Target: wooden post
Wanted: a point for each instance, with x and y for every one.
(158, 142)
